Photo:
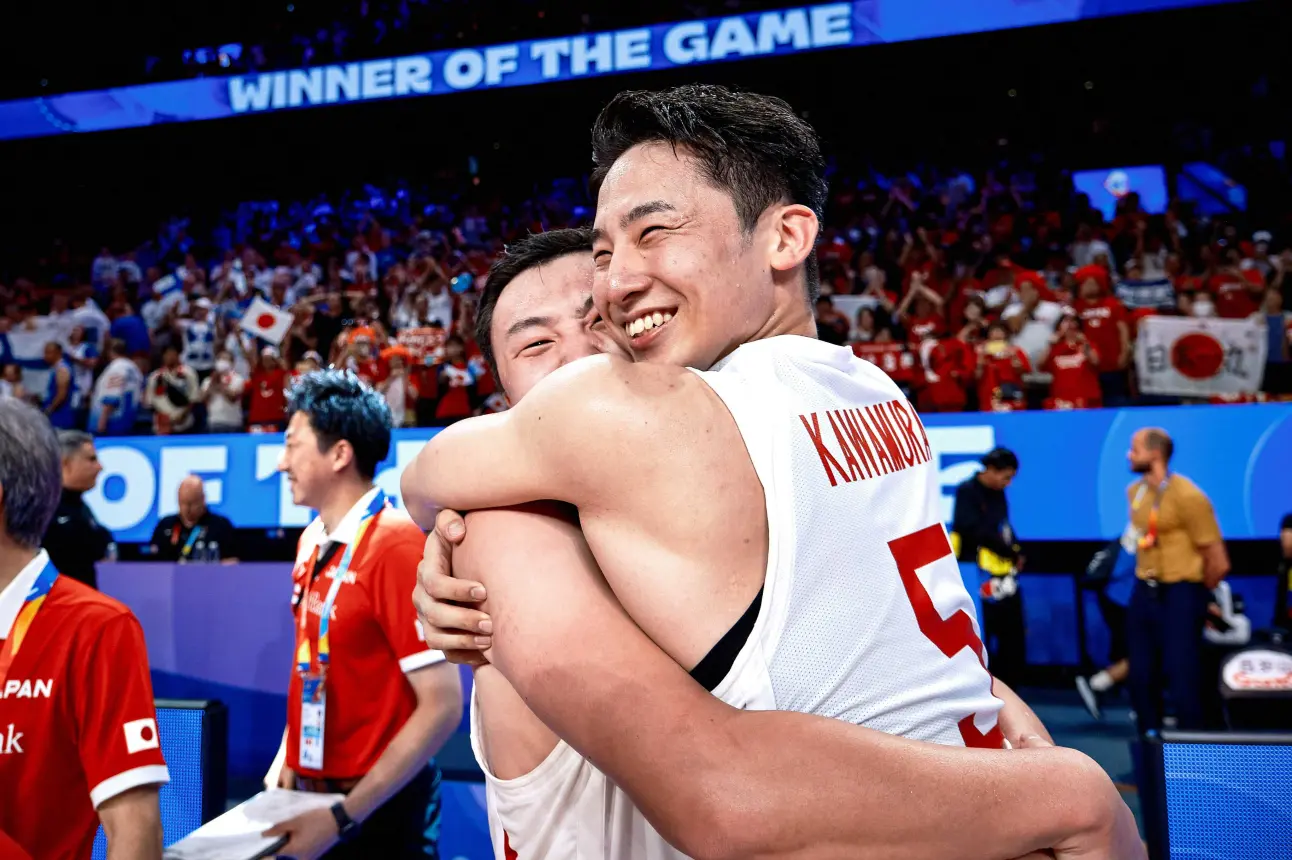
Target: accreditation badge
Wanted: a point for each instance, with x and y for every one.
(313, 716)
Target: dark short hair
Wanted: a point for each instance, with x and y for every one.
(534, 250)
(754, 147)
(1000, 458)
(117, 347)
(340, 406)
(31, 472)
(1158, 440)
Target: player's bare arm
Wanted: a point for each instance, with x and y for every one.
(749, 784)
(455, 624)
(668, 497)
(132, 824)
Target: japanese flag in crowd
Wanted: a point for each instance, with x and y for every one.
(1191, 357)
(266, 321)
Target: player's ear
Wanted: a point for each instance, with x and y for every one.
(794, 229)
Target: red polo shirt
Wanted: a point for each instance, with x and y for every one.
(77, 721)
(374, 639)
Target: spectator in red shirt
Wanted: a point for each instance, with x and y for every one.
(268, 392)
(948, 368)
(1106, 325)
(1000, 370)
(78, 731)
(1238, 291)
(920, 312)
(456, 384)
(1074, 364)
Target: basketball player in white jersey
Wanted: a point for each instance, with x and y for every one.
(786, 542)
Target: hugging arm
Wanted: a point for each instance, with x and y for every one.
(722, 783)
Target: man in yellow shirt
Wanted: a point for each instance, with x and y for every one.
(1181, 558)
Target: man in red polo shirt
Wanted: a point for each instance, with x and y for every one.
(78, 730)
(369, 704)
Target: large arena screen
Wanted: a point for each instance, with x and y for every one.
(664, 46)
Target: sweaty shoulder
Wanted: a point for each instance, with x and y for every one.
(608, 383)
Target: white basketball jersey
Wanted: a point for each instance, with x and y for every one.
(864, 615)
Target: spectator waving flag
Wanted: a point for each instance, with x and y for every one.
(266, 321)
(1200, 357)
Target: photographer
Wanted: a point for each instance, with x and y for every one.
(170, 392)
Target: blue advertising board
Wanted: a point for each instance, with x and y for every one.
(1071, 485)
(663, 46)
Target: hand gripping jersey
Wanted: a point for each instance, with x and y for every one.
(864, 616)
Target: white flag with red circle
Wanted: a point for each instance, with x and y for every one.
(266, 321)
(1192, 357)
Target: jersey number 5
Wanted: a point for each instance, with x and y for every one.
(950, 635)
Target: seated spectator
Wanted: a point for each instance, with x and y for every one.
(267, 412)
(194, 533)
(831, 325)
(1074, 365)
(170, 392)
(1106, 325)
(222, 393)
(1000, 370)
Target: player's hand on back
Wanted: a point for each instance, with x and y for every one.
(443, 603)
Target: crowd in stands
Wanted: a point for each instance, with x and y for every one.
(974, 292)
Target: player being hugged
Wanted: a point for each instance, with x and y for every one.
(811, 574)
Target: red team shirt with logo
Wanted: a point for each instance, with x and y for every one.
(77, 722)
(374, 641)
(1099, 319)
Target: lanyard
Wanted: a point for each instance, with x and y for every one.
(192, 539)
(26, 615)
(324, 648)
(1149, 539)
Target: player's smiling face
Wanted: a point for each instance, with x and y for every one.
(675, 276)
(544, 320)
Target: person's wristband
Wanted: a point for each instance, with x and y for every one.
(346, 827)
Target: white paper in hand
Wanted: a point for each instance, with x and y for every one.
(235, 835)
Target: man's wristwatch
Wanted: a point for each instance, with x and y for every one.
(346, 827)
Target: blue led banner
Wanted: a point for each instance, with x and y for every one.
(1072, 484)
(514, 64)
